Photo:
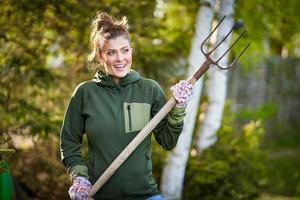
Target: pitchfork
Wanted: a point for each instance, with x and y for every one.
(167, 107)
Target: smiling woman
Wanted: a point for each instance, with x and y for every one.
(111, 109)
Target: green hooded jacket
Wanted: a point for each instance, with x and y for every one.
(111, 115)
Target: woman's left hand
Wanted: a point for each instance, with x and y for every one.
(182, 92)
(80, 189)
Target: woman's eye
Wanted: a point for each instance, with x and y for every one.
(125, 50)
(110, 53)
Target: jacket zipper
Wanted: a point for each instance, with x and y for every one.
(129, 117)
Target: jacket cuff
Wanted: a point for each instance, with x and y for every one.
(176, 116)
(78, 170)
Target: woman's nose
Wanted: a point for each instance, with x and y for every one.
(120, 57)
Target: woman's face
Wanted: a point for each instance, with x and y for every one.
(116, 56)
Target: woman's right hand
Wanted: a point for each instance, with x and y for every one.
(80, 189)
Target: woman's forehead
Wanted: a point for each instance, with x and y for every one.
(116, 43)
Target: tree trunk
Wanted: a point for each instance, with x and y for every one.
(217, 82)
(174, 170)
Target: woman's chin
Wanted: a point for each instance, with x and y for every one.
(121, 74)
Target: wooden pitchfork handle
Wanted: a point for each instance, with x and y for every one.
(143, 134)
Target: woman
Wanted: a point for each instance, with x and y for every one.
(111, 109)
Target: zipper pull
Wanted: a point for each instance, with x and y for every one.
(129, 116)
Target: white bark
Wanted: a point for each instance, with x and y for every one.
(174, 170)
(217, 82)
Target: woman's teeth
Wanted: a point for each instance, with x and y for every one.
(120, 66)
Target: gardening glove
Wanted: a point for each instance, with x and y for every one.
(80, 189)
(182, 92)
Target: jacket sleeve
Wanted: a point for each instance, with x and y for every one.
(168, 130)
(71, 136)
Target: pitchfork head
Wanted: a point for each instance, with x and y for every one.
(208, 54)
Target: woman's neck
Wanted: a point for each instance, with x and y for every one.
(116, 79)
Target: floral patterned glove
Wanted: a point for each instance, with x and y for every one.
(182, 92)
(80, 189)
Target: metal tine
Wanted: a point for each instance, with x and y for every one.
(241, 35)
(205, 40)
(236, 59)
(233, 63)
(221, 41)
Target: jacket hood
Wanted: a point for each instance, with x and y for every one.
(107, 79)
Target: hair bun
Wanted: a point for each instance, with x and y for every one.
(104, 22)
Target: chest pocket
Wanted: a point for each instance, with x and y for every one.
(136, 115)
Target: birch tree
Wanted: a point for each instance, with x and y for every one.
(217, 82)
(174, 170)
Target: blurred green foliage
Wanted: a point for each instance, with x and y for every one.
(272, 26)
(234, 168)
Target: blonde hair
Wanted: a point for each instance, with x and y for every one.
(105, 27)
